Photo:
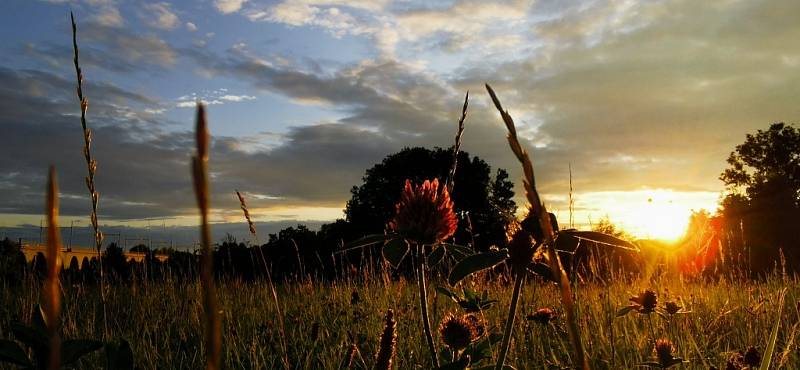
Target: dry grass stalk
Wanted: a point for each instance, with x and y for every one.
(538, 208)
(91, 167)
(52, 300)
(451, 177)
(91, 163)
(349, 355)
(252, 226)
(200, 175)
(383, 360)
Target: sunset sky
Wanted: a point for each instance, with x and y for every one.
(644, 99)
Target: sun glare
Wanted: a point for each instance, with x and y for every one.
(650, 214)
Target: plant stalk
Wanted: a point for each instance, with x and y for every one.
(512, 311)
(423, 305)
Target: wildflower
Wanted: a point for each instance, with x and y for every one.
(663, 350)
(645, 302)
(520, 250)
(424, 215)
(671, 307)
(543, 315)
(735, 361)
(752, 358)
(459, 331)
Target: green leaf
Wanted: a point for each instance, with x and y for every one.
(773, 337)
(119, 356)
(436, 256)
(395, 250)
(11, 352)
(474, 263)
(625, 310)
(366, 241)
(447, 292)
(73, 349)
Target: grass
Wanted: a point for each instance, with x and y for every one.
(164, 322)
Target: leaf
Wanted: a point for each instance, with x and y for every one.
(29, 336)
(37, 321)
(119, 356)
(366, 241)
(395, 250)
(11, 352)
(72, 350)
(600, 238)
(447, 292)
(461, 364)
(474, 263)
(459, 252)
(436, 256)
(773, 337)
(625, 310)
(541, 269)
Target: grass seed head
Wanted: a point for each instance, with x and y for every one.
(388, 343)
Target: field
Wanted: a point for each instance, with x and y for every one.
(164, 322)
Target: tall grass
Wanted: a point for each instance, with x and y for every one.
(538, 209)
(211, 312)
(165, 324)
(52, 289)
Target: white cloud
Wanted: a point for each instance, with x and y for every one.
(191, 27)
(229, 6)
(160, 16)
(236, 98)
(214, 97)
(109, 15)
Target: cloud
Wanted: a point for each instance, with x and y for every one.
(215, 97)
(229, 6)
(109, 16)
(191, 27)
(160, 15)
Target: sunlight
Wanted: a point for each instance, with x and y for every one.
(661, 214)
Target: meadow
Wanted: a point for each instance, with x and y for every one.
(164, 323)
(516, 307)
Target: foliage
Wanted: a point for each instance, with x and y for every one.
(763, 205)
(487, 201)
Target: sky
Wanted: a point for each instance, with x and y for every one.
(643, 99)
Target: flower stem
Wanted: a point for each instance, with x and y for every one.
(423, 304)
(512, 311)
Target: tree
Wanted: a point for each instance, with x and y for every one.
(765, 162)
(763, 205)
(481, 202)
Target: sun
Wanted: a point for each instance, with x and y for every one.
(661, 214)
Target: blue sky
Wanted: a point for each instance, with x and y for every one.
(644, 99)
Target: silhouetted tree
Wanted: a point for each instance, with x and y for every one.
(12, 261)
(761, 212)
(483, 201)
(115, 263)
